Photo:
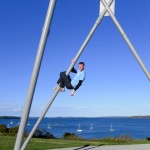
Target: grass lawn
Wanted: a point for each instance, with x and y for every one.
(7, 143)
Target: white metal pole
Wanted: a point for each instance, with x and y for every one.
(139, 60)
(67, 73)
(35, 73)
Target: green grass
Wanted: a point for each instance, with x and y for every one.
(7, 143)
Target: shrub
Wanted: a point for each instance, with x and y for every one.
(121, 139)
(37, 134)
(148, 138)
(3, 128)
(43, 134)
(49, 136)
(9, 131)
(125, 138)
(13, 130)
(70, 136)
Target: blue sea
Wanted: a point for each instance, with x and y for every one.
(92, 128)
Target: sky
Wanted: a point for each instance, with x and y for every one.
(115, 84)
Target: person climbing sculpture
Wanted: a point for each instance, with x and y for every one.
(72, 84)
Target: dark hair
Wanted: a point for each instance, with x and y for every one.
(81, 63)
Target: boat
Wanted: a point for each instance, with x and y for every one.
(91, 127)
(49, 126)
(78, 129)
(8, 126)
(11, 122)
(111, 129)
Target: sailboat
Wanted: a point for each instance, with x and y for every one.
(91, 127)
(11, 122)
(78, 129)
(49, 126)
(8, 126)
(111, 129)
(28, 124)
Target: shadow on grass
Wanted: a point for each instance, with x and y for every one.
(86, 147)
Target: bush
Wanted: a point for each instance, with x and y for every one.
(148, 138)
(9, 131)
(121, 139)
(13, 130)
(70, 136)
(3, 128)
(49, 136)
(125, 138)
(43, 134)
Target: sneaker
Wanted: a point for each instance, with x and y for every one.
(62, 90)
(54, 88)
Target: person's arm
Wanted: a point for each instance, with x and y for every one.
(78, 85)
(74, 70)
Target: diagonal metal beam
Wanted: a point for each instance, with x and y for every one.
(99, 19)
(34, 77)
(139, 60)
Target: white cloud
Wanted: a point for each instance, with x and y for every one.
(17, 109)
(3, 107)
(9, 109)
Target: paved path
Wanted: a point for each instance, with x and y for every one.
(112, 147)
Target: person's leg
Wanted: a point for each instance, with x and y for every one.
(69, 86)
(60, 81)
(66, 80)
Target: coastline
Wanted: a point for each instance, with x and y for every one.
(9, 117)
(139, 116)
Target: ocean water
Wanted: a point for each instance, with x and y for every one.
(138, 128)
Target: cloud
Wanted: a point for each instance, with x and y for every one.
(6, 109)
(3, 107)
(17, 109)
(69, 108)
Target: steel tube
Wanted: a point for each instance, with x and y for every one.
(139, 60)
(34, 76)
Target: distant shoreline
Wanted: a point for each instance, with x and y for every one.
(16, 117)
(9, 117)
(140, 116)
